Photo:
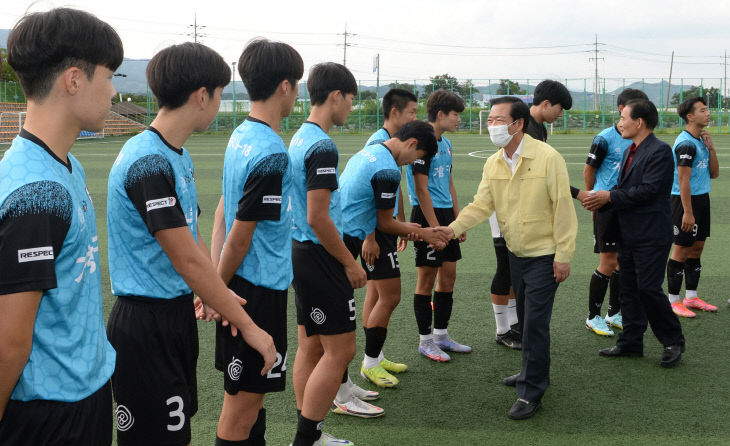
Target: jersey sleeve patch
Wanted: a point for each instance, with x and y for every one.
(34, 221)
(598, 152)
(262, 192)
(385, 187)
(150, 185)
(320, 163)
(685, 153)
(421, 166)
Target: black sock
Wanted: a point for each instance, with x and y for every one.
(374, 340)
(596, 293)
(422, 309)
(675, 271)
(614, 304)
(221, 442)
(692, 270)
(442, 304)
(308, 431)
(344, 377)
(257, 436)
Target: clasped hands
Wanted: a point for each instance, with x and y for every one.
(595, 200)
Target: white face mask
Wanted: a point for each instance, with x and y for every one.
(499, 134)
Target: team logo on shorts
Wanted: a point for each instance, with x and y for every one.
(235, 368)
(125, 420)
(318, 316)
(320, 425)
(676, 230)
(371, 268)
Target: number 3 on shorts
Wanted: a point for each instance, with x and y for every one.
(177, 413)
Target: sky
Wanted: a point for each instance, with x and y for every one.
(518, 39)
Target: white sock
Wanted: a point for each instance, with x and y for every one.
(344, 393)
(425, 338)
(369, 363)
(690, 294)
(673, 298)
(440, 331)
(501, 318)
(512, 311)
(381, 356)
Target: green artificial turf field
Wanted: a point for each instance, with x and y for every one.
(590, 400)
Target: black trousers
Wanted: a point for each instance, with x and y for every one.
(535, 287)
(643, 300)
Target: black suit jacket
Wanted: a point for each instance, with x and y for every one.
(640, 199)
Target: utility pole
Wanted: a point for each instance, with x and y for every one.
(596, 86)
(194, 32)
(345, 45)
(376, 67)
(727, 91)
(669, 88)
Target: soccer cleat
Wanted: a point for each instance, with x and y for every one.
(357, 408)
(698, 304)
(598, 325)
(444, 342)
(328, 440)
(510, 339)
(363, 394)
(681, 310)
(430, 350)
(393, 367)
(615, 321)
(378, 376)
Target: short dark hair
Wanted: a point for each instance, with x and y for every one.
(327, 77)
(398, 98)
(177, 71)
(687, 106)
(445, 101)
(424, 134)
(629, 94)
(44, 44)
(554, 92)
(264, 64)
(518, 110)
(644, 109)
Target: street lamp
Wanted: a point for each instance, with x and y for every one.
(234, 94)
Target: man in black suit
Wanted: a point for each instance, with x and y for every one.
(641, 203)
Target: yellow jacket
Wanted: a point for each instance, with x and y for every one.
(534, 207)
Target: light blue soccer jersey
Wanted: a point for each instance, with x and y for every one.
(151, 188)
(369, 182)
(48, 242)
(606, 154)
(257, 186)
(438, 170)
(379, 137)
(692, 152)
(314, 159)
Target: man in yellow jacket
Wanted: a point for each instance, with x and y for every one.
(526, 184)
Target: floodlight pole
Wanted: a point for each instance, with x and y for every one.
(234, 94)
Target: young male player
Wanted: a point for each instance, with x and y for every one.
(255, 222)
(601, 173)
(157, 258)
(433, 196)
(380, 250)
(549, 100)
(695, 163)
(325, 273)
(55, 360)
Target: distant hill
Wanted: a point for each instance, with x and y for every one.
(4, 37)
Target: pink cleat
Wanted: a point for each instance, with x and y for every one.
(698, 304)
(682, 311)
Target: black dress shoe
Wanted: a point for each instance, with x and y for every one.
(510, 339)
(619, 351)
(523, 409)
(671, 355)
(511, 380)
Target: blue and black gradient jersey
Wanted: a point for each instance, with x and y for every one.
(257, 186)
(607, 151)
(692, 152)
(380, 137)
(151, 188)
(368, 183)
(48, 243)
(438, 170)
(314, 159)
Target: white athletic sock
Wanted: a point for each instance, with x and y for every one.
(425, 338)
(673, 298)
(369, 363)
(440, 331)
(501, 318)
(381, 356)
(512, 311)
(690, 294)
(344, 393)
